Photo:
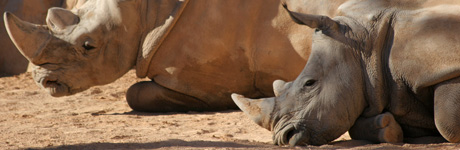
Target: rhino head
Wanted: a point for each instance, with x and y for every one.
(93, 44)
(324, 101)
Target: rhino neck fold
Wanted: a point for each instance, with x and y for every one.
(375, 59)
(157, 25)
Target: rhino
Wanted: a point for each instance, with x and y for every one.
(196, 53)
(383, 70)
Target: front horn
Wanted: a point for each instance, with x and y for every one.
(258, 110)
(29, 38)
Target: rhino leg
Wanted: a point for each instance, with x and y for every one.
(382, 128)
(148, 96)
(447, 110)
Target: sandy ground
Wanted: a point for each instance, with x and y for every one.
(99, 118)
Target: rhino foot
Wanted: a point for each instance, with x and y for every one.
(382, 128)
(390, 131)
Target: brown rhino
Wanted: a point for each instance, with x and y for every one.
(196, 52)
(386, 70)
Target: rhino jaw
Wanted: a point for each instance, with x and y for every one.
(258, 110)
(29, 38)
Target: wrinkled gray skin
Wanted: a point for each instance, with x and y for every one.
(383, 69)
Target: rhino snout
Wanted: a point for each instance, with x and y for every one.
(290, 135)
(54, 87)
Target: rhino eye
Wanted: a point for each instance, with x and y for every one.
(309, 82)
(88, 46)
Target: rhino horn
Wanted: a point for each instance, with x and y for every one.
(29, 38)
(280, 86)
(313, 21)
(258, 110)
(59, 19)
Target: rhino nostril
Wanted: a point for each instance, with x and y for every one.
(289, 135)
(51, 83)
(295, 137)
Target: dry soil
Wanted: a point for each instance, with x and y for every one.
(99, 118)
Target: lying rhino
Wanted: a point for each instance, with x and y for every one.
(385, 70)
(196, 52)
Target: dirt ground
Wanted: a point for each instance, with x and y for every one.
(100, 118)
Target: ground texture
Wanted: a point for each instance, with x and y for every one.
(100, 118)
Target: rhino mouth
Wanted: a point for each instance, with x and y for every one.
(289, 135)
(284, 135)
(55, 88)
(299, 133)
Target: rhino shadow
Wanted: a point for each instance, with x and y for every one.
(138, 113)
(171, 143)
(181, 144)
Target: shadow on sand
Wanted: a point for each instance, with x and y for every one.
(138, 113)
(181, 144)
(169, 144)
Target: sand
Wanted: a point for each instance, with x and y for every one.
(100, 118)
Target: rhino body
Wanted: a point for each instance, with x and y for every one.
(386, 70)
(196, 52)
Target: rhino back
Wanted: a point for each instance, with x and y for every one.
(215, 50)
(423, 52)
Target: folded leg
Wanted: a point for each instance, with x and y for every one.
(382, 128)
(148, 96)
(447, 109)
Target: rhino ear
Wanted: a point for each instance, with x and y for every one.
(59, 19)
(313, 21)
(155, 37)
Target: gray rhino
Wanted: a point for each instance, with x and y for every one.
(386, 70)
(196, 52)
